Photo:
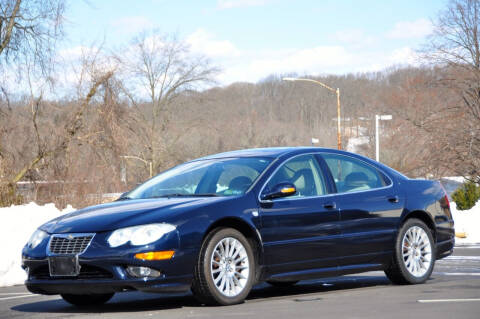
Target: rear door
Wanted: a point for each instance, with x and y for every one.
(300, 231)
(369, 209)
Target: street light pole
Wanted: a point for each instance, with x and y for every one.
(339, 128)
(377, 144)
(337, 92)
(377, 134)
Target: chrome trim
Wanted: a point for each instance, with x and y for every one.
(72, 235)
(320, 196)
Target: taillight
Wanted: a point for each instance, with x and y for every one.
(446, 201)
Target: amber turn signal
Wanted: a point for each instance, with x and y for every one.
(287, 190)
(156, 255)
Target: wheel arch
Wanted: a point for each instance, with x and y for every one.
(423, 216)
(247, 230)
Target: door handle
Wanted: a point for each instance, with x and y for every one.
(330, 205)
(393, 199)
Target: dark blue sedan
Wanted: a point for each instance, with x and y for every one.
(220, 224)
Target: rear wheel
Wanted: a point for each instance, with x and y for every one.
(225, 270)
(414, 255)
(87, 300)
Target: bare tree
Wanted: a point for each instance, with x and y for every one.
(30, 28)
(48, 146)
(455, 44)
(158, 70)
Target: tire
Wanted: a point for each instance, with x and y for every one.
(282, 284)
(414, 254)
(223, 276)
(87, 300)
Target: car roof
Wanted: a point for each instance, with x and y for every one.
(276, 152)
(271, 152)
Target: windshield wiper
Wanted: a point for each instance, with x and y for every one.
(124, 198)
(186, 195)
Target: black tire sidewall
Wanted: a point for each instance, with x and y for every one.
(211, 244)
(399, 247)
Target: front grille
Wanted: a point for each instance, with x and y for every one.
(86, 272)
(72, 244)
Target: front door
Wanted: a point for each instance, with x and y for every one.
(300, 231)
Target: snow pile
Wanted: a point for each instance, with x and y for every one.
(18, 224)
(354, 143)
(468, 222)
(458, 179)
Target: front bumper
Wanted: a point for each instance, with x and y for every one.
(65, 286)
(104, 269)
(100, 276)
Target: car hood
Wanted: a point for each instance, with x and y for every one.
(125, 213)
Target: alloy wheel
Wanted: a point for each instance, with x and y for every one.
(230, 267)
(416, 251)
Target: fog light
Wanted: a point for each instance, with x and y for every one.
(141, 272)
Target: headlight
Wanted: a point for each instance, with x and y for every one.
(37, 237)
(139, 235)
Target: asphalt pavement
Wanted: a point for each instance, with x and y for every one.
(452, 292)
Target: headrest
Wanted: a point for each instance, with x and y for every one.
(240, 183)
(356, 179)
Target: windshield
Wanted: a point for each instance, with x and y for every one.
(212, 177)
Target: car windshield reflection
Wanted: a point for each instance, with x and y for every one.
(203, 178)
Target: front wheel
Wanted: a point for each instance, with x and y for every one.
(87, 300)
(414, 254)
(225, 270)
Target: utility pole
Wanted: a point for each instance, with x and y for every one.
(337, 92)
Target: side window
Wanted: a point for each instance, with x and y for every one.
(304, 172)
(352, 175)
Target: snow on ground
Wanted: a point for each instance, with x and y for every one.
(18, 224)
(468, 222)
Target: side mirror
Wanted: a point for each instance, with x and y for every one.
(280, 190)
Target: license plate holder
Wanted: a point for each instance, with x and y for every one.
(64, 266)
